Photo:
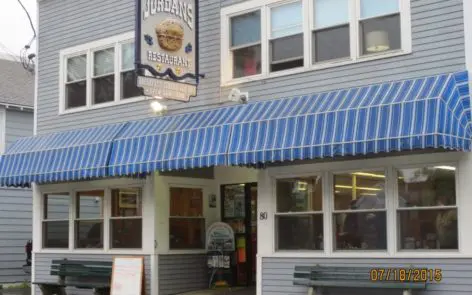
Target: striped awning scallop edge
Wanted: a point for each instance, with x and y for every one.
(66, 156)
(429, 112)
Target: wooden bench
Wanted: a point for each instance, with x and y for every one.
(319, 277)
(80, 274)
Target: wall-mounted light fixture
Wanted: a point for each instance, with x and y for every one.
(157, 107)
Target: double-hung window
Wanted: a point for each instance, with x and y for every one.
(97, 219)
(286, 37)
(265, 38)
(55, 221)
(379, 26)
(246, 44)
(76, 81)
(360, 213)
(330, 35)
(299, 217)
(89, 219)
(427, 209)
(98, 74)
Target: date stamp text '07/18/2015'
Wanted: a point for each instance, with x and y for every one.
(406, 274)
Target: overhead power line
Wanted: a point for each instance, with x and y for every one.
(30, 21)
(27, 60)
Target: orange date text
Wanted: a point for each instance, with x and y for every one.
(406, 274)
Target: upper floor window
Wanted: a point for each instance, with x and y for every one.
(98, 73)
(266, 38)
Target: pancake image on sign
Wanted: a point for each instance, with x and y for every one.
(170, 34)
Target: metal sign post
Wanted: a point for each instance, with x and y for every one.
(166, 43)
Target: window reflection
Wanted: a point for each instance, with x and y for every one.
(427, 215)
(360, 191)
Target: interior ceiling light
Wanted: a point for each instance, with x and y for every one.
(446, 168)
(359, 188)
(369, 174)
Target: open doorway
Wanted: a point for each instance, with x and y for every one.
(239, 209)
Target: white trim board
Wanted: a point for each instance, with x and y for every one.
(467, 6)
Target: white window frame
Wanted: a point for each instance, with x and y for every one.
(43, 219)
(308, 20)
(88, 49)
(76, 218)
(107, 199)
(327, 171)
(333, 211)
(397, 208)
(322, 212)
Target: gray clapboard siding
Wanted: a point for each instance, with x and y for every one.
(43, 263)
(18, 124)
(15, 231)
(438, 47)
(277, 274)
(182, 273)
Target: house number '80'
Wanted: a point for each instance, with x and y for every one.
(262, 215)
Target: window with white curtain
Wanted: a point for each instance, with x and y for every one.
(266, 38)
(103, 75)
(76, 81)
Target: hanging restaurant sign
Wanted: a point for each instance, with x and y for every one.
(166, 48)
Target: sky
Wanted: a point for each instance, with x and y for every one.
(15, 30)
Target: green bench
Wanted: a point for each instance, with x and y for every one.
(80, 274)
(318, 277)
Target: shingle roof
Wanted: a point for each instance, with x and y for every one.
(16, 84)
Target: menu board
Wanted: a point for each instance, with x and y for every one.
(127, 276)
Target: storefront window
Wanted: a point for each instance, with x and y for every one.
(359, 211)
(186, 224)
(89, 219)
(427, 214)
(126, 218)
(56, 220)
(299, 217)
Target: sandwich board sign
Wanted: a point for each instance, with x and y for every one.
(127, 276)
(167, 48)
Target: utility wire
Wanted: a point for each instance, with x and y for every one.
(30, 21)
(27, 60)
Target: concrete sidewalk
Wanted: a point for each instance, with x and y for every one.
(232, 291)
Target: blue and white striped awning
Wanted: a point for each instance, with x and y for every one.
(67, 156)
(431, 112)
(198, 139)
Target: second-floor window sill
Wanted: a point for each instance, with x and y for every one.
(315, 67)
(102, 105)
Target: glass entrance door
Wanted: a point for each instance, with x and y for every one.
(239, 210)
